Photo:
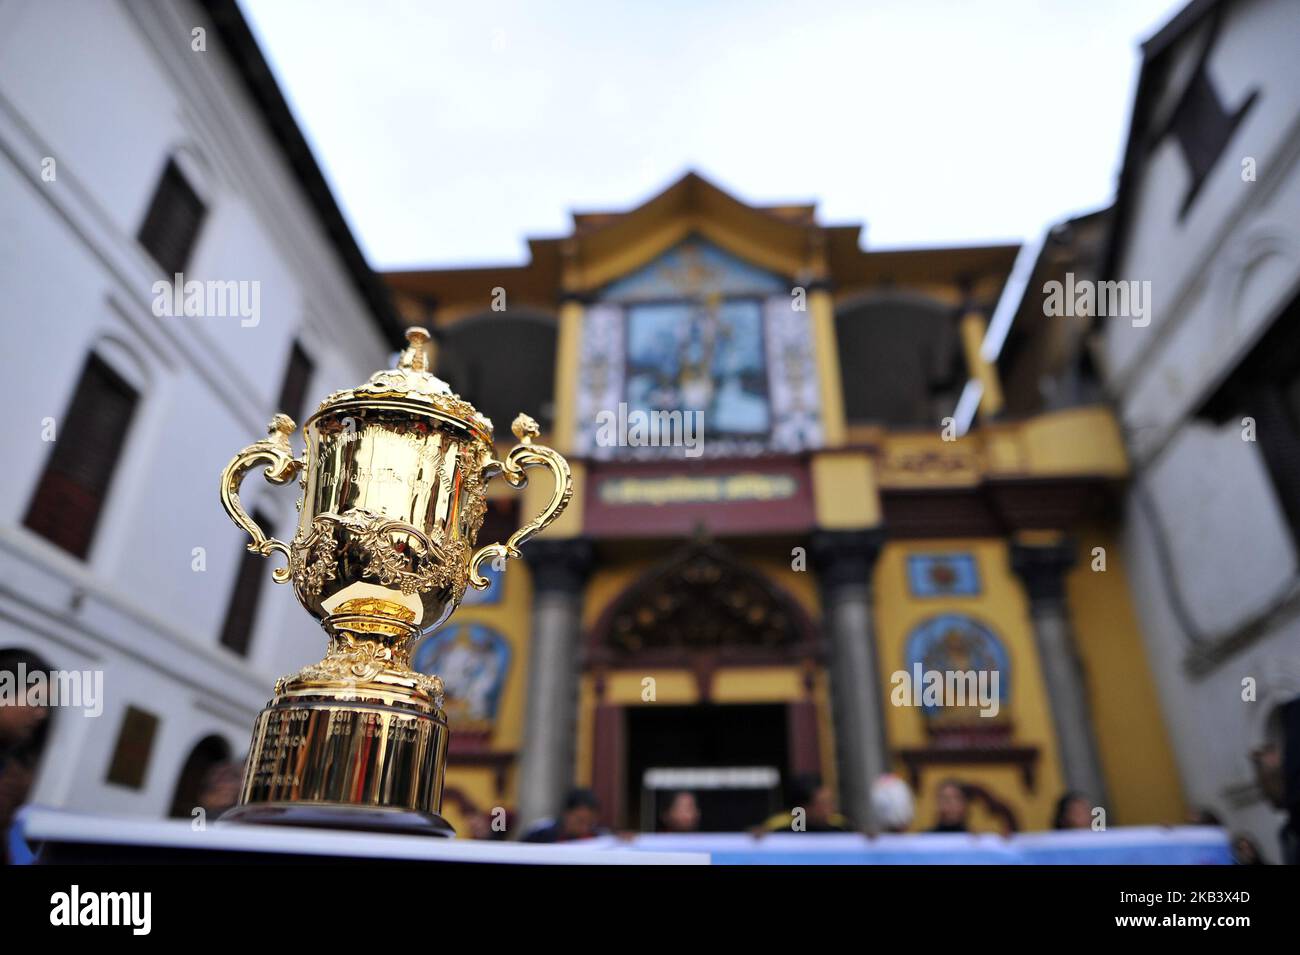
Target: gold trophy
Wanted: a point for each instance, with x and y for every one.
(393, 485)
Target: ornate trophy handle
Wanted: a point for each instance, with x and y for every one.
(281, 468)
(522, 456)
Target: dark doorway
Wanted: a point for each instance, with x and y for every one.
(210, 752)
(707, 736)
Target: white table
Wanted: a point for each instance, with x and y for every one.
(72, 836)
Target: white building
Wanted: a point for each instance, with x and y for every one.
(137, 140)
(1208, 390)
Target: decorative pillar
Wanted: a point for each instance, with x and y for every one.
(821, 309)
(559, 570)
(568, 349)
(973, 327)
(1042, 567)
(844, 561)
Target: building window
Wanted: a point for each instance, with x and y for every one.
(171, 226)
(130, 763)
(88, 442)
(506, 361)
(241, 613)
(1265, 386)
(901, 362)
(297, 376)
(1201, 124)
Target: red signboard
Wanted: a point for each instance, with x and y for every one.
(674, 498)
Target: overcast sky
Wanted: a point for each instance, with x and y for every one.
(451, 132)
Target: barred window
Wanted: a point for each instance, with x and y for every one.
(297, 376)
(88, 442)
(241, 612)
(171, 226)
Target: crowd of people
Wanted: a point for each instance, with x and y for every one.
(814, 808)
(812, 805)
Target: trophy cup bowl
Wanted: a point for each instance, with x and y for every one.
(393, 482)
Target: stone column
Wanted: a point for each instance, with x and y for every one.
(1043, 569)
(559, 570)
(844, 561)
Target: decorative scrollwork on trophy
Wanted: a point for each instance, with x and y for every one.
(352, 661)
(396, 553)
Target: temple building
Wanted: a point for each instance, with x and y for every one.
(801, 489)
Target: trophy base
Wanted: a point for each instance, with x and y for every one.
(357, 757)
(350, 818)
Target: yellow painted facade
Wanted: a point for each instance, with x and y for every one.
(1140, 771)
(510, 618)
(845, 491)
(1141, 775)
(1001, 606)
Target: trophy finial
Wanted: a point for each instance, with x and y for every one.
(415, 357)
(279, 429)
(525, 429)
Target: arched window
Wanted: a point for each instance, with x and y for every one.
(506, 362)
(194, 787)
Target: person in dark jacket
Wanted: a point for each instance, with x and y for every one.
(813, 808)
(1277, 772)
(22, 728)
(580, 819)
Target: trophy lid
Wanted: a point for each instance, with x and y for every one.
(411, 382)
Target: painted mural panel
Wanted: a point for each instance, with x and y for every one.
(701, 333)
(703, 357)
(473, 661)
(951, 644)
(793, 383)
(943, 575)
